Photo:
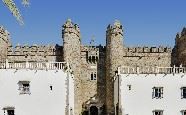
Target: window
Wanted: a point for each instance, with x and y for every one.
(9, 110)
(183, 92)
(158, 92)
(183, 112)
(93, 76)
(158, 112)
(24, 87)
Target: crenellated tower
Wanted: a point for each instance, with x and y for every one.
(180, 48)
(114, 55)
(71, 54)
(4, 43)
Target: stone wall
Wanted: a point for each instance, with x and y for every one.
(180, 47)
(4, 42)
(93, 77)
(147, 56)
(35, 52)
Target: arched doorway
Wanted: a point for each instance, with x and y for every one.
(93, 110)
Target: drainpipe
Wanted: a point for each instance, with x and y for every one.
(118, 81)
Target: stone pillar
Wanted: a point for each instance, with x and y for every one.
(114, 55)
(71, 54)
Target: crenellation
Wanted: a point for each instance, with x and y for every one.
(70, 28)
(153, 49)
(145, 49)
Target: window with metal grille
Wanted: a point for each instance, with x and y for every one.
(183, 92)
(157, 112)
(158, 92)
(24, 87)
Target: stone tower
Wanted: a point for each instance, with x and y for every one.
(71, 54)
(4, 43)
(114, 55)
(181, 48)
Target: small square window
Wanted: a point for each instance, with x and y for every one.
(183, 112)
(183, 92)
(24, 87)
(158, 112)
(158, 92)
(9, 111)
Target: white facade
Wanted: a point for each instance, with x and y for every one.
(51, 92)
(136, 93)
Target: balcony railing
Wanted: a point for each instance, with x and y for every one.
(151, 70)
(34, 65)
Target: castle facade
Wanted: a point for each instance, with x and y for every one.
(94, 67)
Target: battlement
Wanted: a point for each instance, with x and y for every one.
(33, 49)
(116, 28)
(145, 49)
(151, 70)
(4, 34)
(70, 28)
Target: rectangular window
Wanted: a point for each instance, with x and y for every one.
(183, 112)
(183, 92)
(24, 87)
(93, 76)
(158, 92)
(158, 112)
(9, 111)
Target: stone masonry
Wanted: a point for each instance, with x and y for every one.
(114, 55)
(94, 66)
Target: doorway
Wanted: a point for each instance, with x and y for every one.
(93, 110)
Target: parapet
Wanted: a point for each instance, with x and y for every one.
(145, 49)
(32, 50)
(115, 29)
(70, 28)
(34, 65)
(151, 70)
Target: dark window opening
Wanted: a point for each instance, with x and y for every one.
(158, 112)
(93, 76)
(10, 112)
(183, 112)
(158, 92)
(183, 92)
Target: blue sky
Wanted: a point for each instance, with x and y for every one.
(145, 22)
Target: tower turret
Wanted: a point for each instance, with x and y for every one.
(114, 55)
(71, 54)
(4, 43)
(180, 48)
